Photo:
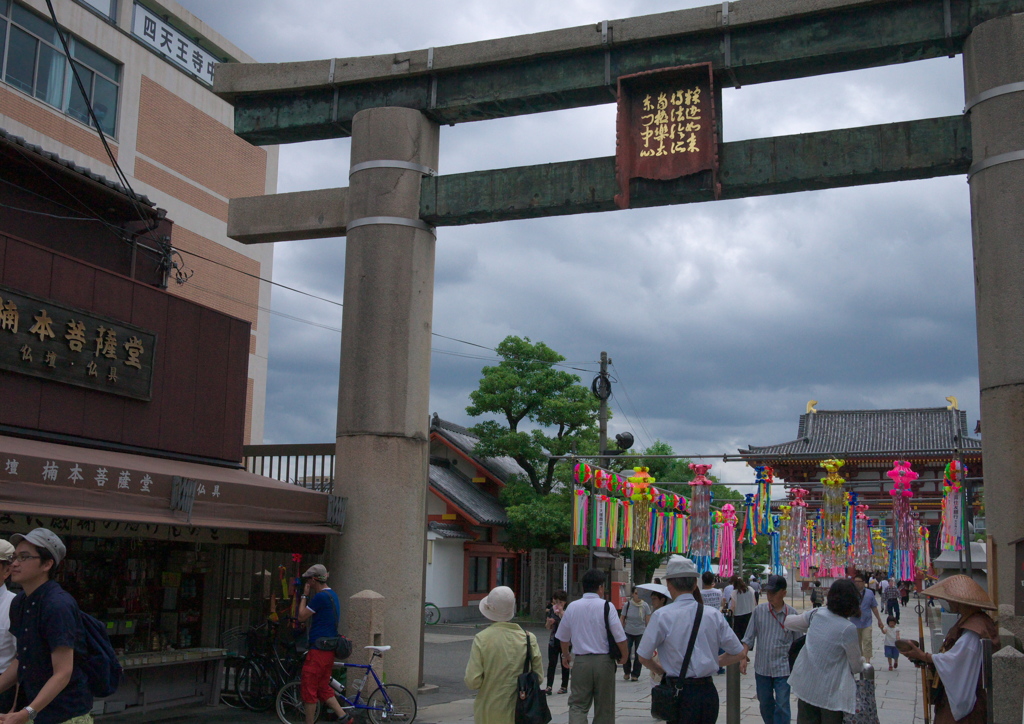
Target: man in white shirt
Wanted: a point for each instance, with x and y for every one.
(587, 625)
(668, 633)
(8, 644)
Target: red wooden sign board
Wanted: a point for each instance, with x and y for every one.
(666, 126)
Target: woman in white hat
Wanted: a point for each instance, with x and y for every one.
(497, 658)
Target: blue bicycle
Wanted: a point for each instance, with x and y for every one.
(387, 703)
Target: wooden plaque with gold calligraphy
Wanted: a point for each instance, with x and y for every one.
(666, 126)
(43, 338)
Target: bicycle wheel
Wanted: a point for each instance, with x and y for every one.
(431, 614)
(391, 702)
(290, 709)
(254, 687)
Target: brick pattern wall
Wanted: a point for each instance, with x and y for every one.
(196, 145)
(212, 285)
(54, 124)
(183, 190)
(250, 387)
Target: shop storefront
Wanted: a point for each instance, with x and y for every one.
(177, 567)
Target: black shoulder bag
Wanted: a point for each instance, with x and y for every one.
(664, 696)
(531, 701)
(613, 645)
(798, 643)
(339, 644)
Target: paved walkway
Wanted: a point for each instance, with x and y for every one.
(898, 693)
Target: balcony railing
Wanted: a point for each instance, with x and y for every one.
(311, 465)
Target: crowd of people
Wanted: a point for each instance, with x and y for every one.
(694, 625)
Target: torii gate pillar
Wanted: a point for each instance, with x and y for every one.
(383, 396)
(994, 59)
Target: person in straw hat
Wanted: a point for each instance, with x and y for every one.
(959, 695)
(497, 657)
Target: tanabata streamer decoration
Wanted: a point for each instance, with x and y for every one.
(952, 530)
(728, 548)
(879, 552)
(796, 539)
(776, 535)
(642, 496)
(832, 545)
(580, 507)
(904, 536)
(861, 558)
(765, 521)
(700, 517)
(749, 529)
(924, 554)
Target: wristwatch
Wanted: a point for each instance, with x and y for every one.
(32, 713)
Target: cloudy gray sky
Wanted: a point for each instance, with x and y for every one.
(722, 319)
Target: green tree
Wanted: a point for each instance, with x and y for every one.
(526, 387)
(535, 520)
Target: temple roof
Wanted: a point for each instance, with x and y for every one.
(479, 506)
(875, 433)
(502, 468)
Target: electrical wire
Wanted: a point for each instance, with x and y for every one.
(629, 399)
(43, 213)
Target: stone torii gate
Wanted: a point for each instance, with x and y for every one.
(392, 106)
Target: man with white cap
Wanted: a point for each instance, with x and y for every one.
(497, 657)
(669, 633)
(8, 646)
(47, 624)
(591, 626)
(325, 610)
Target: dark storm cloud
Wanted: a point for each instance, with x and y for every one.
(722, 319)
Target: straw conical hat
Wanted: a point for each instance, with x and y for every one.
(961, 589)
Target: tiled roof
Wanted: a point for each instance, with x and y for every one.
(502, 468)
(479, 505)
(98, 178)
(448, 530)
(879, 432)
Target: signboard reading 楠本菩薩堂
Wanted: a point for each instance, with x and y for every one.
(175, 45)
(43, 338)
(666, 127)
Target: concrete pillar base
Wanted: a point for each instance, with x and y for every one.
(1008, 685)
(365, 627)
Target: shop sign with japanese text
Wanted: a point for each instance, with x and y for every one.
(46, 339)
(666, 126)
(174, 45)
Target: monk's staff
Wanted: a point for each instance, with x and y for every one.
(924, 669)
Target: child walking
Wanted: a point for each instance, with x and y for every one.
(892, 635)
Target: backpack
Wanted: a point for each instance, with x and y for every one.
(98, 661)
(531, 701)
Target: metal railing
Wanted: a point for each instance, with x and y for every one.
(307, 465)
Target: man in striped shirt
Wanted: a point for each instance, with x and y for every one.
(771, 660)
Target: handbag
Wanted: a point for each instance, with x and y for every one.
(340, 645)
(798, 644)
(531, 701)
(664, 696)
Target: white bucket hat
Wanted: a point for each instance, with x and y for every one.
(499, 605)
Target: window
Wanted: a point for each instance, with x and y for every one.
(506, 572)
(34, 62)
(106, 8)
(479, 574)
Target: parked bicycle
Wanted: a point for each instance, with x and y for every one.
(431, 614)
(387, 703)
(266, 669)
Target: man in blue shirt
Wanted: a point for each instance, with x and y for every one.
(868, 605)
(320, 603)
(48, 626)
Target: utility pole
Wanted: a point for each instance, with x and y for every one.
(603, 392)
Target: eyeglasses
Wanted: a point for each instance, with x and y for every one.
(22, 557)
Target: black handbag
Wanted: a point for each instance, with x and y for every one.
(664, 696)
(613, 645)
(531, 701)
(798, 644)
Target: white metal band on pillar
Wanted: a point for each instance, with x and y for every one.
(999, 90)
(994, 161)
(392, 221)
(407, 165)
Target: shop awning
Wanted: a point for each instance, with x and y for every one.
(50, 479)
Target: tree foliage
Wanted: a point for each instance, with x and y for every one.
(534, 520)
(526, 387)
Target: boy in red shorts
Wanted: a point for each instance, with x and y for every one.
(320, 603)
